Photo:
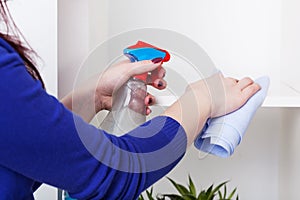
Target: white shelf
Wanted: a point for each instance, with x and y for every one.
(286, 102)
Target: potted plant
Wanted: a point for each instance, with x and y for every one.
(190, 193)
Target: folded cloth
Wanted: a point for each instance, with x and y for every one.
(221, 135)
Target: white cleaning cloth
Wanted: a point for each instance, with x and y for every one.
(220, 136)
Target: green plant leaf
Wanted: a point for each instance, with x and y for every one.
(211, 196)
(189, 197)
(209, 193)
(141, 197)
(232, 194)
(225, 191)
(150, 194)
(210, 189)
(220, 194)
(202, 195)
(192, 187)
(219, 186)
(180, 188)
(213, 191)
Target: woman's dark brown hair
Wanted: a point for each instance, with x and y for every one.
(13, 36)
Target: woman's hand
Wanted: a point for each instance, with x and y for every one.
(96, 94)
(208, 98)
(117, 75)
(223, 95)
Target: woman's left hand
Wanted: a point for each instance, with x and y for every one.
(117, 75)
(96, 94)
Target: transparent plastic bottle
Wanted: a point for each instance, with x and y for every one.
(128, 109)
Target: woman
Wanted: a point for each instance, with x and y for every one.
(41, 140)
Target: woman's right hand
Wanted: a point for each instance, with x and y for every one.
(223, 95)
(211, 97)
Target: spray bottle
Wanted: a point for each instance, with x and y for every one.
(129, 109)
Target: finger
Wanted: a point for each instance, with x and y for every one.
(141, 67)
(148, 111)
(150, 100)
(250, 90)
(124, 61)
(158, 73)
(232, 81)
(159, 84)
(162, 73)
(244, 83)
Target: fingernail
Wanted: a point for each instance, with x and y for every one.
(157, 60)
(160, 84)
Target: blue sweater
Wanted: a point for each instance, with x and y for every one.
(43, 142)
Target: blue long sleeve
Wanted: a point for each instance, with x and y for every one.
(42, 141)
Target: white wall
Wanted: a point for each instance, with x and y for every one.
(243, 38)
(75, 37)
(37, 20)
(73, 41)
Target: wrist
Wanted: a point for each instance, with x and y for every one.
(81, 102)
(191, 111)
